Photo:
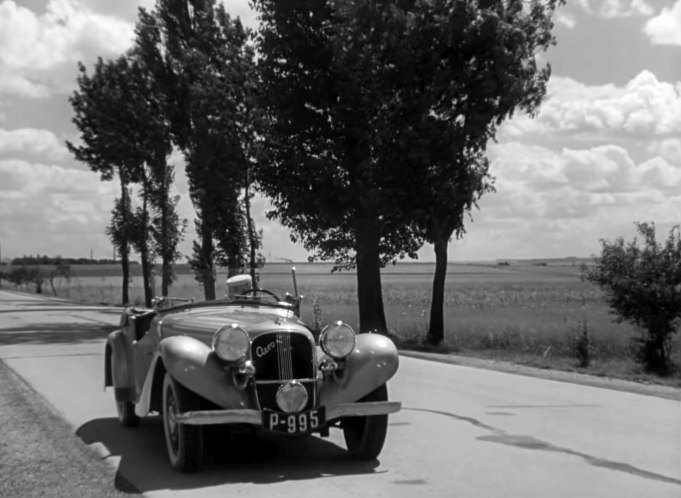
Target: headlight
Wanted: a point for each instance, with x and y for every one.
(337, 340)
(291, 397)
(231, 343)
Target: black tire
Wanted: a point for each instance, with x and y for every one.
(126, 414)
(125, 409)
(364, 436)
(183, 442)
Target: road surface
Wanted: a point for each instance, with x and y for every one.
(463, 432)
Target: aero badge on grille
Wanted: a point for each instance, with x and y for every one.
(262, 351)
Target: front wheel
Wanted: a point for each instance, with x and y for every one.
(184, 442)
(364, 436)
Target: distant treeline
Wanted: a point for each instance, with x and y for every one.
(58, 260)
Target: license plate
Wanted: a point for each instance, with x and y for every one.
(293, 423)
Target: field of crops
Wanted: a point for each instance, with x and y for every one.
(534, 312)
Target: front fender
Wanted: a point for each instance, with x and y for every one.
(194, 365)
(372, 363)
(117, 367)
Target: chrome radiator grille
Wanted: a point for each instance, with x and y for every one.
(282, 356)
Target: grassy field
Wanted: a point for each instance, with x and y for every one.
(531, 313)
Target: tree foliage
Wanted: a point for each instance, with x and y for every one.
(203, 64)
(380, 113)
(25, 275)
(57, 260)
(167, 228)
(119, 228)
(124, 131)
(641, 281)
(324, 84)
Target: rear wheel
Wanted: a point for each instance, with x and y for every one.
(126, 414)
(125, 409)
(364, 436)
(184, 442)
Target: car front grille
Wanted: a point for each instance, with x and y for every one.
(279, 357)
(283, 356)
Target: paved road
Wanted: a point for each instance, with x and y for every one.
(463, 432)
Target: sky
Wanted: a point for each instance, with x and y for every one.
(603, 152)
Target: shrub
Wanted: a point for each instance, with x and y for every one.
(642, 285)
(24, 275)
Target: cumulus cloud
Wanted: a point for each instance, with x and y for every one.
(616, 8)
(50, 209)
(644, 107)
(34, 45)
(668, 149)
(665, 28)
(20, 85)
(125, 9)
(595, 160)
(566, 20)
(34, 142)
(39, 50)
(578, 183)
(562, 202)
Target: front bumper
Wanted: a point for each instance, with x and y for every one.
(254, 417)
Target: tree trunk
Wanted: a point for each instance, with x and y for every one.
(208, 270)
(251, 234)
(166, 274)
(436, 328)
(146, 276)
(369, 293)
(144, 250)
(166, 251)
(124, 250)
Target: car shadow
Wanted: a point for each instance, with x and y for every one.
(231, 459)
(56, 333)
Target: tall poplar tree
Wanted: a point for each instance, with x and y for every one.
(202, 60)
(96, 104)
(479, 68)
(122, 125)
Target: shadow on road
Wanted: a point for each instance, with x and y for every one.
(241, 459)
(57, 333)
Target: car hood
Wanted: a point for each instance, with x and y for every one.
(205, 321)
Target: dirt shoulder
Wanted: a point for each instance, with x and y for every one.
(39, 453)
(658, 390)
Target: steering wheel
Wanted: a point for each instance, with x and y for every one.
(255, 292)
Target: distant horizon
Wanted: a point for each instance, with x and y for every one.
(279, 261)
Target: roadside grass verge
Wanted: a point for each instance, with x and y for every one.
(41, 456)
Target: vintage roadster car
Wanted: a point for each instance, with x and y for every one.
(249, 361)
